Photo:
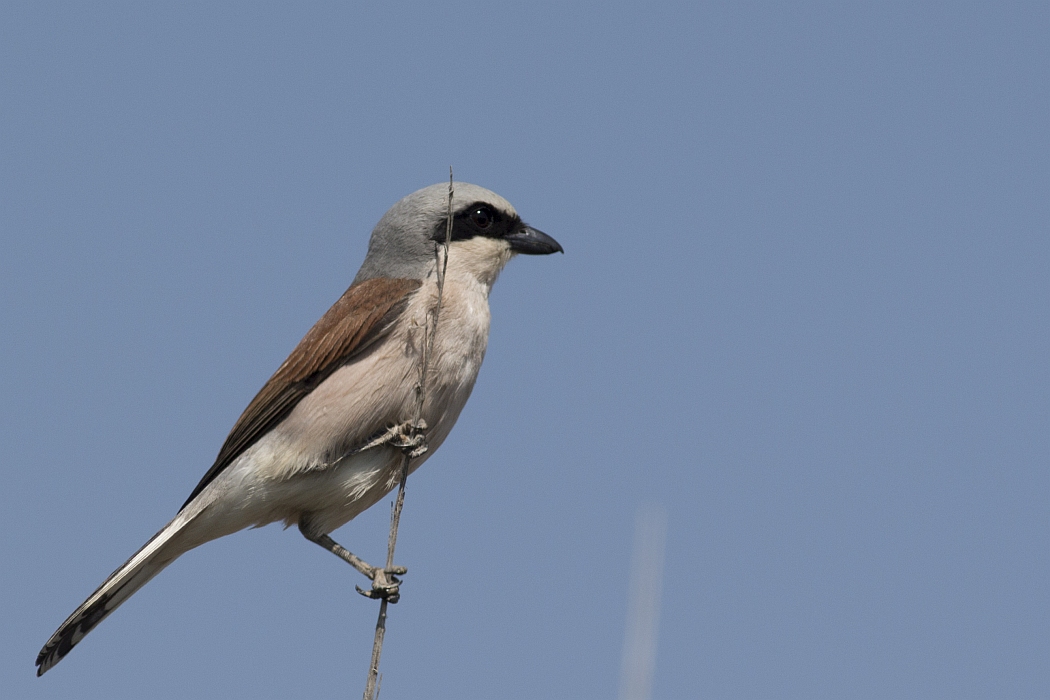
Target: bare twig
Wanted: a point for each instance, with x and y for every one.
(429, 332)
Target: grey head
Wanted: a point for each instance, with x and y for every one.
(403, 243)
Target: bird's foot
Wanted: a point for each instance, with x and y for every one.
(385, 584)
(409, 437)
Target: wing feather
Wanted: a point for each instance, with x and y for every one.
(363, 315)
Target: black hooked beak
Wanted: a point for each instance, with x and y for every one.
(530, 241)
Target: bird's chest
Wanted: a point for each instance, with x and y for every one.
(456, 353)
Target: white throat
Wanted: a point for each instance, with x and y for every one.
(478, 260)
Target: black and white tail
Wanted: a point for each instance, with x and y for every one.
(162, 549)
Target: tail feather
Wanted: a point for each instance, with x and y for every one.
(136, 572)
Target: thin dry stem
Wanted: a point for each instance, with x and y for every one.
(430, 331)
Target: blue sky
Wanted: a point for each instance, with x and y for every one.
(803, 307)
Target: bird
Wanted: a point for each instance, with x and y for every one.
(327, 435)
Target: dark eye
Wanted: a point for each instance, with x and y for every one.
(481, 217)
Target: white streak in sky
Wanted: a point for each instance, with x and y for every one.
(643, 603)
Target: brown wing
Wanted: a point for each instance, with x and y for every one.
(362, 315)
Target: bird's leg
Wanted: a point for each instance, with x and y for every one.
(385, 582)
(410, 438)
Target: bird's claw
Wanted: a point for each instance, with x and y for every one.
(410, 438)
(385, 584)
